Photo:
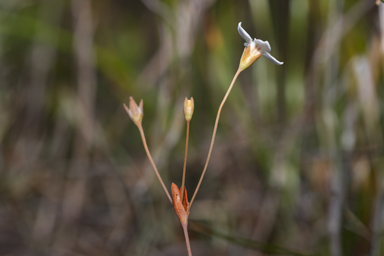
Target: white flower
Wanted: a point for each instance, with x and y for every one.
(255, 48)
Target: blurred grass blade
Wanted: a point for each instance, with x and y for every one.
(255, 245)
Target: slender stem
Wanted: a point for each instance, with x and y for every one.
(151, 160)
(377, 223)
(185, 161)
(213, 136)
(185, 229)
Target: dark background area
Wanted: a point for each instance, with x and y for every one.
(298, 163)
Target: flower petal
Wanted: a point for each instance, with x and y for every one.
(244, 34)
(272, 59)
(264, 45)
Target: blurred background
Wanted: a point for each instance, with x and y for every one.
(298, 163)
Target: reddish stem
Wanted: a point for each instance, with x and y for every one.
(185, 229)
(213, 137)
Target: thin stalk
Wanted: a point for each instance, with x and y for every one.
(185, 161)
(185, 229)
(151, 160)
(213, 136)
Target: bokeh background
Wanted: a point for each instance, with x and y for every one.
(298, 163)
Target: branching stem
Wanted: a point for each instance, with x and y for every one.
(185, 161)
(213, 136)
(151, 160)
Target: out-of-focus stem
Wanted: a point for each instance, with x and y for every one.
(185, 161)
(185, 229)
(213, 136)
(378, 218)
(151, 160)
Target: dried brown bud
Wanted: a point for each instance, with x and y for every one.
(189, 106)
(135, 112)
(179, 205)
(185, 200)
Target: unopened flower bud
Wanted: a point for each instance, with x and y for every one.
(135, 112)
(189, 106)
